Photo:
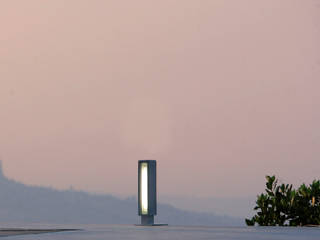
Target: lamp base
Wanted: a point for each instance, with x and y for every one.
(147, 220)
(153, 225)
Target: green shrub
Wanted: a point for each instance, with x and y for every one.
(282, 205)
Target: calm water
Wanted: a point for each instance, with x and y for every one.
(123, 232)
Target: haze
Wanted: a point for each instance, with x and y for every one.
(220, 93)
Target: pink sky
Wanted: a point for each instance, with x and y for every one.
(221, 93)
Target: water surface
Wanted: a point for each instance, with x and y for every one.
(124, 232)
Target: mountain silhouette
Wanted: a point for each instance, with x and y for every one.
(1, 171)
(24, 203)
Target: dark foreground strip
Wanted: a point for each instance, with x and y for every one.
(18, 231)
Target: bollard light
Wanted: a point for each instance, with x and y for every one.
(147, 191)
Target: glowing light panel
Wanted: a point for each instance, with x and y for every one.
(144, 188)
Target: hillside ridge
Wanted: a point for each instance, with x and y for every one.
(24, 203)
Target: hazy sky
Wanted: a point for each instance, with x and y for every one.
(221, 93)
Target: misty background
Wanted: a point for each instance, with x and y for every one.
(21, 204)
(220, 93)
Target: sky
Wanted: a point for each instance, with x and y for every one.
(220, 93)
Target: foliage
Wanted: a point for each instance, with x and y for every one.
(282, 205)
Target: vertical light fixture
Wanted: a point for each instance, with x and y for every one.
(144, 188)
(147, 191)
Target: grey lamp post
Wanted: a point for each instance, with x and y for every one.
(147, 191)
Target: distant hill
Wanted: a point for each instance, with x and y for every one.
(23, 203)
